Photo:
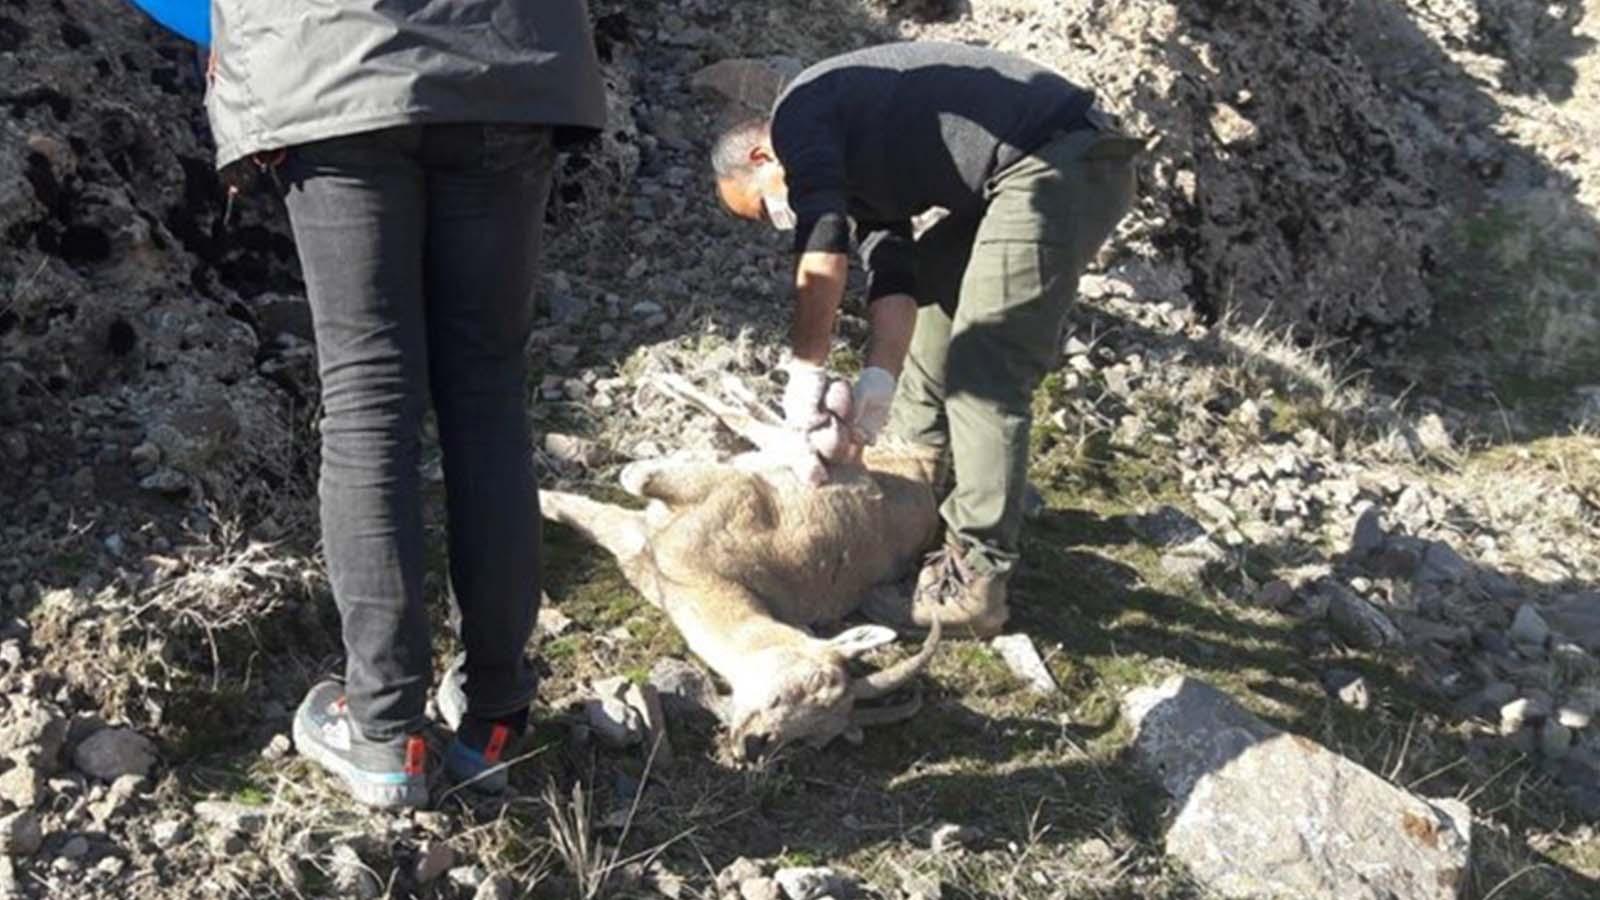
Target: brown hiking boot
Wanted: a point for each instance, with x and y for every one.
(963, 599)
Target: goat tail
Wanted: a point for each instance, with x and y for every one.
(620, 531)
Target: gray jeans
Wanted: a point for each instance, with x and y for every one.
(419, 247)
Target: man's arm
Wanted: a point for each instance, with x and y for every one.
(819, 289)
(893, 318)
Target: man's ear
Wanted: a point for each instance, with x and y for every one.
(761, 154)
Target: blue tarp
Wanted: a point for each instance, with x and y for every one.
(190, 18)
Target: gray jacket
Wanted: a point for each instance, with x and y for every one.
(286, 72)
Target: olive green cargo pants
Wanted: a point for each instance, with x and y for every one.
(981, 350)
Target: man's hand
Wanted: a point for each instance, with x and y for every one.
(869, 403)
(803, 395)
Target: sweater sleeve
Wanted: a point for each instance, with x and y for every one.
(889, 257)
(810, 145)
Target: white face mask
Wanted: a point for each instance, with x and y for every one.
(778, 211)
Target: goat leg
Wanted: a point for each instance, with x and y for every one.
(620, 531)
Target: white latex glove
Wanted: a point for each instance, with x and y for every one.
(802, 396)
(869, 403)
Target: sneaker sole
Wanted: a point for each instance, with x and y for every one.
(363, 786)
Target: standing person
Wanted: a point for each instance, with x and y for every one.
(414, 141)
(966, 319)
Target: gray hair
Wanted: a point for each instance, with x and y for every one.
(730, 155)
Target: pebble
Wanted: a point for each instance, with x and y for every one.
(1528, 627)
(113, 752)
(277, 748)
(436, 858)
(77, 846)
(1350, 687)
(20, 834)
(951, 836)
(145, 456)
(110, 867)
(1023, 659)
(169, 833)
(352, 877)
(16, 446)
(1520, 712)
(806, 882)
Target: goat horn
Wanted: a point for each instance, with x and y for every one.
(867, 717)
(885, 681)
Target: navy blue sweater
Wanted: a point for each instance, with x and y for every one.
(881, 134)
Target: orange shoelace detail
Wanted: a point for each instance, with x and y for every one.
(497, 743)
(416, 754)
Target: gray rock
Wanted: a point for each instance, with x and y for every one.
(806, 882)
(352, 877)
(76, 847)
(1577, 617)
(20, 834)
(1167, 526)
(1369, 535)
(1190, 560)
(567, 309)
(1429, 437)
(1349, 687)
(1023, 659)
(1263, 813)
(16, 446)
(1355, 620)
(118, 800)
(1528, 627)
(1275, 594)
(113, 752)
(552, 622)
(436, 858)
(684, 687)
(165, 481)
(241, 817)
(609, 715)
(573, 451)
(1442, 564)
(737, 872)
(145, 457)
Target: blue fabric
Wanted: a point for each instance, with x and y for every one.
(189, 18)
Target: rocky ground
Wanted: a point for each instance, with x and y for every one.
(1320, 437)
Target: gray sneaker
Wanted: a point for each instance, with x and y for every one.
(384, 774)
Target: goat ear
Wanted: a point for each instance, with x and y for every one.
(853, 642)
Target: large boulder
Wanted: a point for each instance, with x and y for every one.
(1263, 813)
